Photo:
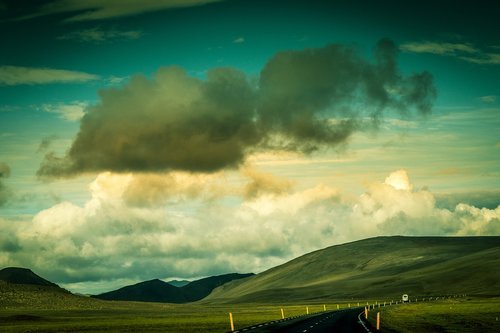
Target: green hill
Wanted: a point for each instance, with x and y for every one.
(382, 266)
(20, 288)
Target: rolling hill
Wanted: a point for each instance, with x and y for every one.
(375, 267)
(160, 291)
(21, 288)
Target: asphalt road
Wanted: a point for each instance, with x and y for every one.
(332, 321)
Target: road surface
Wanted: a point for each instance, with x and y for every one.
(346, 320)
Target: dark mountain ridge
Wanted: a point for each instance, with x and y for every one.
(159, 291)
(18, 275)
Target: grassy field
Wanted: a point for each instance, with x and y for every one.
(450, 315)
(28, 308)
(454, 315)
(147, 317)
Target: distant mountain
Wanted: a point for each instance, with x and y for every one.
(19, 275)
(147, 291)
(376, 267)
(178, 283)
(160, 291)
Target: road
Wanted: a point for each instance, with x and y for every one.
(332, 321)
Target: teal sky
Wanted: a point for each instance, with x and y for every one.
(111, 159)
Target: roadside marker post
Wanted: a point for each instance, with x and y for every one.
(231, 321)
(338, 307)
(324, 307)
(366, 312)
(282, 314)
(307, 310)
(378, 321)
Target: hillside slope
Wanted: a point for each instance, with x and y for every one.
(382, 266)
(21, 288)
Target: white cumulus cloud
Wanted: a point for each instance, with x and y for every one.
(111, 237)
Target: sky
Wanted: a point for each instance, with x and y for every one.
(182, 139)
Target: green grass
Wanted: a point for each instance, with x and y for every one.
(454, 315)
(148, 317)
(450, 315)
(26, 308)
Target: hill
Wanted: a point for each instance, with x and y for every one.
(21, 288)
(160, 291)
(18, 275)
(147, 291)
(382, 266)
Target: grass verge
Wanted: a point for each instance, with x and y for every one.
(148, 317)
(451, 315)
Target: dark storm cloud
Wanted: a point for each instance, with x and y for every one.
(5, 192)
(170, 122)
(304, 100)
(317, 95)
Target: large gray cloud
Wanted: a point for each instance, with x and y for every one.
(304, 100)
(301, 91)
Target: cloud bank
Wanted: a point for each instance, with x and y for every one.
(73, 111)
(114, 236)
(99, 35)
(90, 10)
(463, 51)
(5, 192)
(16, 75)
(304, 100)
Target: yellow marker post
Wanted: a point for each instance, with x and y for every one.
(378, 321)
(349, 305)
(324, 307)
(282, 314)
(338, 307)
(231, 321)
(366, 312)
(307, 310)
